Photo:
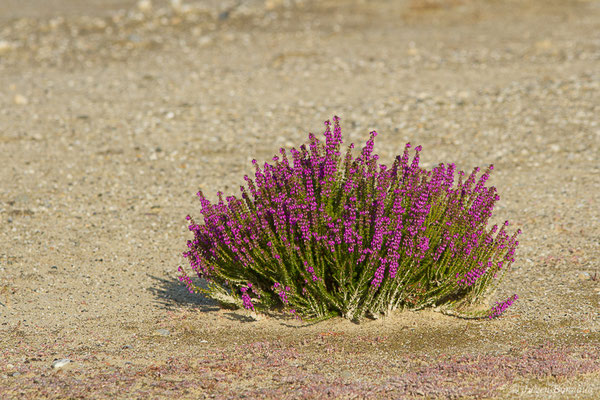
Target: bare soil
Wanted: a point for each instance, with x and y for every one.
(113, 115)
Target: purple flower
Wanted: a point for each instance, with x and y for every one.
(376, 282)
(246, 299)
(186, 280)
(499, 308)
(470, 277)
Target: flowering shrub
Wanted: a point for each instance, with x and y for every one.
(322, 236)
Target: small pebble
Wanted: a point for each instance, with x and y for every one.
(20, 100)
(5, 46)
(144, 5)
(60, 363)
(176, 5)
(162, 332)
(271, 4)
(583, 276)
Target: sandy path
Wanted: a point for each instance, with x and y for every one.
(109, 123)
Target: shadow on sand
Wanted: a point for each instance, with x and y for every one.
(171, 294)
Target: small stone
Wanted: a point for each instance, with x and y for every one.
(205, 40)
(20, 100)
(555, 148)
(5, 46)
(144, 5)
(9, 366)
(162, 332)
(583, 276)
(544, 44)
(272, 4)
(422, 96)
(255, 316)
(60, 363)
(176, 5)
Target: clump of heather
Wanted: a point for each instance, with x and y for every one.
(321, 235)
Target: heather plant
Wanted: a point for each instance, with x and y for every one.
(323, 235)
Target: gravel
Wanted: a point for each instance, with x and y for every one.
(112, 118)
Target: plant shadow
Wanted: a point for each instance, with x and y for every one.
(171, 294)
(233, 316)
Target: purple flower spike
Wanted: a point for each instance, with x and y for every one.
(499, 308)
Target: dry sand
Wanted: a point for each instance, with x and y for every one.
(111, 120)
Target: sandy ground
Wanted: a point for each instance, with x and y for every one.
(112, 116)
